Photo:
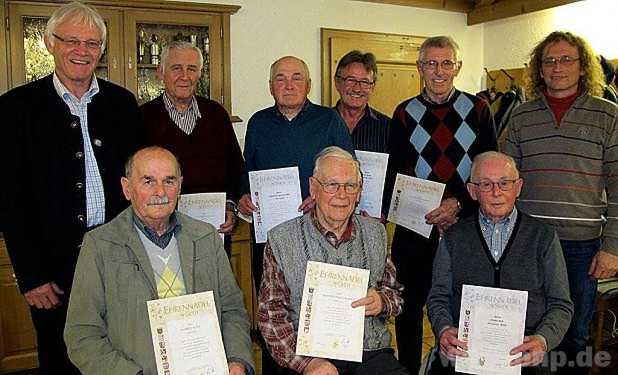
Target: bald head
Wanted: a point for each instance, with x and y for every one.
(493, 156)
(289, 60)
(150, 152)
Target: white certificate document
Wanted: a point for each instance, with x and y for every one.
(186, 335)
(276, 194)
(373, 165)
(328, 326)
(412, 199)
(207, 207)
(492, 321)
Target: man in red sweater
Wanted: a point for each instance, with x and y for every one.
(196, 129)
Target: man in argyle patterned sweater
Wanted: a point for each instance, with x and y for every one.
(434, 136)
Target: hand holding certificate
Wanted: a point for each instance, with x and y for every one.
(492, 322)
(186, 335)
(329, 326)
(373, 166)
(207, 207)
(412, 199)
(276, 194)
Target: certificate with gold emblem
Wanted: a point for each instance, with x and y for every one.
(492, 322)
(328, 325)
(186, 335)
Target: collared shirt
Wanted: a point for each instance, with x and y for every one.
(163, 240)
(331, 237)
(275, 323)
(371, 131)
(95, 196)
(426, 96)
(184, 120)
(497, 235)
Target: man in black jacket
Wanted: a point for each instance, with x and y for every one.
(63, 141)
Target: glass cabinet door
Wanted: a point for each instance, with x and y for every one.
(30, 60)
(146, 33)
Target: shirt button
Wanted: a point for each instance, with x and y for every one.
(81, 218)
(79, 186)
(74, 125)
(79, 154)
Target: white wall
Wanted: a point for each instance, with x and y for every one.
(264, 30)
(508, 42)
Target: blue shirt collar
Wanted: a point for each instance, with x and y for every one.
(507, 219)
(66, 95)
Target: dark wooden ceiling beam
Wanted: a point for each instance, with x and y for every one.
(486, 11)
(480, 11)
(461, 6)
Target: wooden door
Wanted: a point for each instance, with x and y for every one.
(396, 56)
(29, 59)
(165, 26)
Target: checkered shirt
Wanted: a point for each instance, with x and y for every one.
(274, 303)
(95, 197)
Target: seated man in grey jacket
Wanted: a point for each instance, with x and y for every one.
(500, 247)
(148, 252)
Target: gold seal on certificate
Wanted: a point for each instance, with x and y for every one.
(329, 327)
(492, 321)
(186, 335)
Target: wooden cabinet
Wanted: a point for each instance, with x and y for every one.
(17, 336)
(133, 28)
(23, 58)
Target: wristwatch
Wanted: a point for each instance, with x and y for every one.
(229, 205)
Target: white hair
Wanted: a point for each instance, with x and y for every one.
(78, 13)
(339, 153)
(180, 45)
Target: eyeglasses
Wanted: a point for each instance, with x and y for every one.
(563, 60)
(74, 43)
(351, 82)
(433, 64)
(487, 185)
(333, 187)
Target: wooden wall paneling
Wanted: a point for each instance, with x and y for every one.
(4, 84)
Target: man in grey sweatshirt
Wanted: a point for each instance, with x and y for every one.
(500, 247)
